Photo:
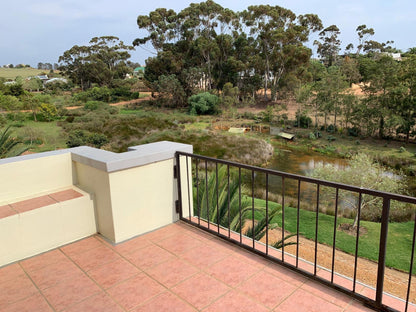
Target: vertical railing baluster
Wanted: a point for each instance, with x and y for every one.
(335, 235)
(239, 203)
(316, 230)
(298, 226)
(187, 187)
(252, 205)
(360, 198)
(412, 259)
(382, 250)
(197, 192)
(206, 190)
(228, 199)
(218, 208)
(267, 213)
(178, 180)
(283, 218)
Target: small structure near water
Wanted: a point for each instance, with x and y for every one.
(279, 132)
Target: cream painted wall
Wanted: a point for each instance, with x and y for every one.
(26, 178)
(142, 199)
(96, 182)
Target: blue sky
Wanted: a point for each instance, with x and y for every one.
(40, 31)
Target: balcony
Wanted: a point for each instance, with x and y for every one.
(85, 230)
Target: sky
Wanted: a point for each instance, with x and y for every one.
(33, 31)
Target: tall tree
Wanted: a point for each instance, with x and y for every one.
(101, 62)
(329, 46)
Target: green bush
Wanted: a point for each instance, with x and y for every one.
(203, 104)
(331, 138)
(84, 137)
(312, 136)
(93, 105)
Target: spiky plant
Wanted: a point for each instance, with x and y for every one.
(234, 209)
(9, 144)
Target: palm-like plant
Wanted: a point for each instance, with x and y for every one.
(9, 144)
(233, 209)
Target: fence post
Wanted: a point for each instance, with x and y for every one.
(178, 179)
(382, 250)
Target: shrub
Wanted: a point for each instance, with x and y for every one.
(302, 121)
(354, 131)
(402, 149)
(48, 112)
(203, 104)
(93, 105)
(312, 136)
(331, 129)
(331, 138)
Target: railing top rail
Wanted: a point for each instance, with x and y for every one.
(386, 195)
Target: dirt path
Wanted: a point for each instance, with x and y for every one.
(118, 103)
(395, 282)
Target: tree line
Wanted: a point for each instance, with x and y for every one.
(262, 48)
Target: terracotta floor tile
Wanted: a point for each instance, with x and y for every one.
(82, 246)
(132, 245)
(252, 259)
(55, 273)
(285, 274)
(33, 203)
(200, 290)
(232, 271)
(387, 300)
(165, 302)
(113, 273)
(164, 232)
(65, 195)
(302, 301)
(133, 292)
(43, 260)
(339, 280)
(235, 301)
(357, 307)
(267, 289)
(148, 257)
(95, 257)
(10, 272)
(327, 293)
(97, 303)
(172, 272)
(179, 243)
(17, 289)
(6, 211)
(203, 256)
(33, 303)
(70, 291)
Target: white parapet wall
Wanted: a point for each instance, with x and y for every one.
(124, 195)
(135, 191)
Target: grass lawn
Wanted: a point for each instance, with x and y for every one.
(41, 136)
(399, 242)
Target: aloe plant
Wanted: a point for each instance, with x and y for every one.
(9, 144)
(231, 212)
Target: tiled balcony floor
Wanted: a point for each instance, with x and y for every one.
(176, 268)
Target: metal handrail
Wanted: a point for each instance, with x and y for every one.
(386, 197)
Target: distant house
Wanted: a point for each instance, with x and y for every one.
(395, 56)
(44, 78)
(53, 80)
(139, 72)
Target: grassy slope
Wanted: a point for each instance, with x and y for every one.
(398, 243)
(48, 132)
(12, 73)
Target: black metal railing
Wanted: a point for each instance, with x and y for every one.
(221, 197)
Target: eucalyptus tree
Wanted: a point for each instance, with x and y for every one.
(382, 80)
(102, 62)
(329, 44)
(279, 36)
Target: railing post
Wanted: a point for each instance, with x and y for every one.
(382, 250)
(178, 180)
